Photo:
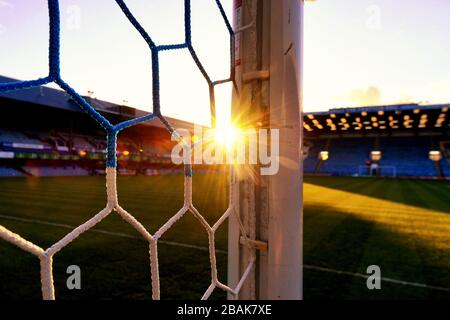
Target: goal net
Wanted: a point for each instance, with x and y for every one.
(388, 171)
(252, 255)
(380, 171)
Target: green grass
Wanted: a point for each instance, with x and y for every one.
(401, 225)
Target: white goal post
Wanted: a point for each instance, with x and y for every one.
(268, 74)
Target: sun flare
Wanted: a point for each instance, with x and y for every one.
(226, 135)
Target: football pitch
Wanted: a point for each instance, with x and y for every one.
(403, 226)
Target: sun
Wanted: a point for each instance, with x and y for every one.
(226, 135)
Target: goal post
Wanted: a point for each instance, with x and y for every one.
(269, 77)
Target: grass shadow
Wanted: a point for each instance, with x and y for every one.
(342, 241)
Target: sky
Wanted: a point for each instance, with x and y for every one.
(372, 52)
(357, 52)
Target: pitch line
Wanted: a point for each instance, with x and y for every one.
(111, 233)
(190, 246)
(365, 276)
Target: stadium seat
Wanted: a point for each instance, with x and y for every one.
(409, 155)
(43, 171)
(9, 172)
(346, 155)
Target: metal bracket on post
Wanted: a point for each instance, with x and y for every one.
(255, 244)
(259, 75)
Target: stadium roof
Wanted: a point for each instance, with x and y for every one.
(335, 121)
(378, 119)
(55, 98)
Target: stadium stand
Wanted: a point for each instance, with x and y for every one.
(15, 141)
(312, 150)
(57, 143)
(100, 145)
(404, 134)
(9, 172)
(409, 155)
(43, 171)
(78, 142)
(127, 172)
(43, 133)
(446, 167)
(346, 155)
(39, 143)
(125, 144)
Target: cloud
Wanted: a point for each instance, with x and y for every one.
(359, 98)
(406, 99)
(370, 96)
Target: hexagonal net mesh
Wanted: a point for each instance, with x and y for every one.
(46, 255)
